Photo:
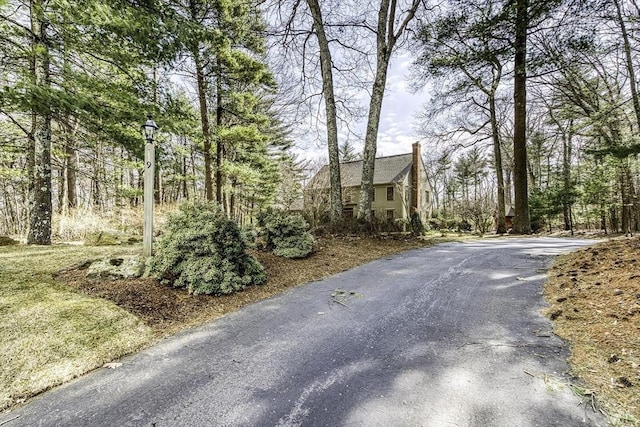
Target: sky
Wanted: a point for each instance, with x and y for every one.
(399, 108)
(397, 121)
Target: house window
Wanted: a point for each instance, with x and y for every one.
(347, 212)
(389, 193)
(373, 195)
(426, 197)
(390, 214)
(346, 194)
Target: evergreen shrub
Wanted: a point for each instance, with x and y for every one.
(285, 234)
(249, 235)
(204, 252)
(417, 227)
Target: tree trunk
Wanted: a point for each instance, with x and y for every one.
(386, 37)
(521, 221)
(232, 201)
(133, 199)
(625, 197)
(194, 171)
(40, 220)
(140, 186)
(204, 120)
(383, 53)
(566, 177)
(96, 193)
(613, 217)
(158, 191)
(119, 171)
(62, 193)
(219, 143)
(326, 64)
(371, 140)
(507, 187)
(185, 188)
(635, 211)
(72, 169)
(497, 154)
(629, 63)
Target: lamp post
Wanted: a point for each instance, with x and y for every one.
(149, 132)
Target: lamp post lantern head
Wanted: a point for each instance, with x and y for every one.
(149, 129)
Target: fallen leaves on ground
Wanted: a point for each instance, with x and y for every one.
(595, 303)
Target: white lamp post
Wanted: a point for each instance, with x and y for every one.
(149, 132)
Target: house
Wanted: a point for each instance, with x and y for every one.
(400, 185)
(508, 217)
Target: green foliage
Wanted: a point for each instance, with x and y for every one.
(7, 241)
(440, 223)
(105, 75)
(250, 235)
(476, 215)
(597, 189)
(544, 205)
(286, 234)
(204, 251)
(417, 227)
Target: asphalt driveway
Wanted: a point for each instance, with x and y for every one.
(444, 336)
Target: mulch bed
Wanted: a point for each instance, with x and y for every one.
(168, 310)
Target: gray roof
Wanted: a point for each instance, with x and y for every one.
(387, 170)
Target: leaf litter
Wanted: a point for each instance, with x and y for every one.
(594, 297)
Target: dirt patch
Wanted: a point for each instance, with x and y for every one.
(595, 304)
(168, 310)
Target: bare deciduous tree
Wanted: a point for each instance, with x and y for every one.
(391, 24)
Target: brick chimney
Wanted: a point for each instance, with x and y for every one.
(415, 179)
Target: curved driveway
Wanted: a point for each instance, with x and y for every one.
(443, 336)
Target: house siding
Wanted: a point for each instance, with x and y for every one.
(425, 205)
(400, 203)
(396, 171)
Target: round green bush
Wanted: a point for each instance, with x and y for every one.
(204, 252)
(286, 234)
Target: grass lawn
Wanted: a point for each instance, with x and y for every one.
(51, 333)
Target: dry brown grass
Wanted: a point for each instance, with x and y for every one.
(595, 303)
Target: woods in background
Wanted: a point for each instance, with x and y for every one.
(78, 80)
(530, 105)
(581, 119)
